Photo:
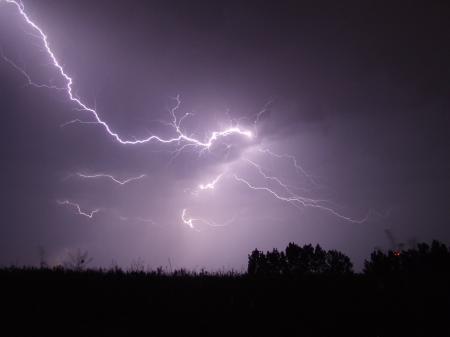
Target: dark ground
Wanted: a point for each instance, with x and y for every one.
(39, 302)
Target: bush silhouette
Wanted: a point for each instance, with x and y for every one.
(78, 260)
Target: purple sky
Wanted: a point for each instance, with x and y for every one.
(358, 93)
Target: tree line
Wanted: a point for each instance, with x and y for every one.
(298, 260)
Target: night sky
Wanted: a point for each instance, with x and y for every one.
(358, 92)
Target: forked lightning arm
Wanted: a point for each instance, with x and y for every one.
(180, 136)
(299, 201)
(292, 159)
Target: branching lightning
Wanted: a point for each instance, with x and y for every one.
(77, 207)
(294, 162)
(176, 123)
(278, 181)
(296, 200)
(25, 74)
(181, 139)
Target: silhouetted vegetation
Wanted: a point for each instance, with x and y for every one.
(297, 261)
(425, 260)
(303, 289)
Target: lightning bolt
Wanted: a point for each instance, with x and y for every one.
(212, 184)
(25, 74)
(260, 113)
(186, 220)
(278, 181)
(297, 200)
(176, 123)
(294, 162)
(89, 215)
(190, 221)
(108, 176)
(180, 138)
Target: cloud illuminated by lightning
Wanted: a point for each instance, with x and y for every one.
(108, 176)
(180, 138)
(77, 207)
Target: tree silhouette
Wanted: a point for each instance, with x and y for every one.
(275, 262)
(427, 259)
(296, 261)
(338, 263)
(256, 262)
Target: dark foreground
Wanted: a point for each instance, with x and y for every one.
(39, 302)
